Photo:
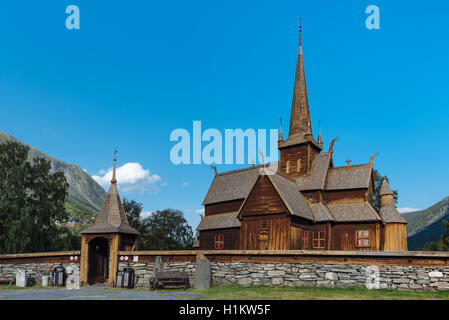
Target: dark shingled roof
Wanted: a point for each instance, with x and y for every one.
(219, 221)
(351, 212)
(321, 212)
(385, 188)
(352, 177)
(232, 185)
(112, 217)
(318, 173)
(292, 198)
(390, 214)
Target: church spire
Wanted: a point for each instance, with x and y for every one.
(300, 124)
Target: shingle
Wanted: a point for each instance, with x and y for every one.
(321, 212)
(351, 212)
(219, 221)
(293, 199)
(318, 173)
(352, 177)
(385, 188)
(232, 185)
(390, 214)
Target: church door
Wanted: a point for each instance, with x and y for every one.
(98, 260)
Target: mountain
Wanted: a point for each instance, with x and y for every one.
(426, 225)
(85, 195)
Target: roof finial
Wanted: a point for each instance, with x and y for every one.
(280, 132)
(331, 145)
(300, 30)
(320, 141)
(114, 179)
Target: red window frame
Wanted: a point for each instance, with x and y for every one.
(305, 239)
(362, 237)
(219, 241)
(319, 240)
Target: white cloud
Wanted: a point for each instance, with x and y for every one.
(145, 214)
(200, 211)
(164, 184)
(185, 184)
(405, 210)
(131, 176)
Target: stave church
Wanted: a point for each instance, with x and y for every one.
(308, 203)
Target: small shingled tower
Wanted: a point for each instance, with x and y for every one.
(394, 223)
(101, 242)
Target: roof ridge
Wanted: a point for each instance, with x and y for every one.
(287, 177)
(243, 169)
(355, 165)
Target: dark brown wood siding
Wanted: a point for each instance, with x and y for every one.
(263, 199)
(276, 235)
(221, 207)
(345, 196)
(305, 152)
(231, 238)
(344, 236)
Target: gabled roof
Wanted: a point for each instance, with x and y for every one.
(353, 212)
(219, 221)
(231, 185)
(352, 177)
(112, 216)
(292, 198)
(321, 212)
(317, 178)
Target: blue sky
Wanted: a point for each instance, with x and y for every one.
(137, 70)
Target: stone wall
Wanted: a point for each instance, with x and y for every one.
(290, 274)
(35, 271)
(145, 270)
(297, 274)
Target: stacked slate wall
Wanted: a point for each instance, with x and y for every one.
(297, 275)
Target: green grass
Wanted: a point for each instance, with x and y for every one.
(314, 293)
(234, 292)
(14, 287)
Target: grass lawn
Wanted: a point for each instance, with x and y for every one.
(313, 293)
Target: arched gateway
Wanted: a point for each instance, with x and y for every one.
(101, 242)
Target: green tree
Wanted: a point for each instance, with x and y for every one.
(31, 202)
(378, 178)
(168, 230)
(162, 230)
(439, 245)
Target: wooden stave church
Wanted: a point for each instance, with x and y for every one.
(307, 204)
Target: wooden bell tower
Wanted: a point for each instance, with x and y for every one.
(101, 242)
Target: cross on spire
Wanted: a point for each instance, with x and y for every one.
(348, 161)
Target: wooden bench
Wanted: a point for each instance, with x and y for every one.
(8, 281)
(170, 279)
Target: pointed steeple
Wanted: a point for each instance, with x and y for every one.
(112, 216)
(385, 188)
(300, 115)
(300, 130)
